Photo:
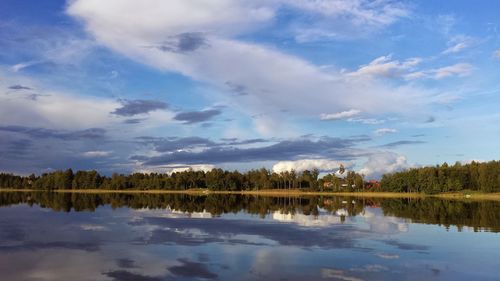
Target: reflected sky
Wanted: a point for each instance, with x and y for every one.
(125, 243)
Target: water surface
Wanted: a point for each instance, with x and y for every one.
(54, 236)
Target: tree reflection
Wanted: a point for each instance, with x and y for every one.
(480, 215)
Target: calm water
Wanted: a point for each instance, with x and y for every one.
(177, 237)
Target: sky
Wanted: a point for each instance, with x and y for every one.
(160, 86)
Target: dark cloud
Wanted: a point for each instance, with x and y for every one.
(406, 246)
(402, 142)
(19, 146)
(123, 275)
(184, 42)
(92, 133)
(20, 87)
(190, 117)
(34, 97)
(174, 144)
(126, 263)
(34, 246)
(237, 89)
(431, 119)
(133, 121)
(249, 141)
(191, 269)
(284, 150)
(418, 135)
(135, 107)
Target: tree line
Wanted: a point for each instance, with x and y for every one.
(215, 179)
(484, 177)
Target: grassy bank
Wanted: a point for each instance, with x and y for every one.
(282, 192)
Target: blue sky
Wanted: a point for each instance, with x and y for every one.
(124, 86)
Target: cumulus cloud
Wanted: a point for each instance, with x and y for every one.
(383, 131)
(274, 79)
(323, 165)
(383, 162)
(136, 107)
(191, 117)
(340, 115)
(200, 167)
(174, 168)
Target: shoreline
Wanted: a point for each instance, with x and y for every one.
(279, 192)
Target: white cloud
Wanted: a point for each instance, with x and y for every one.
(383, 131)
(385, 66)
(20, 66)
(174, 168)
(456, 48)
(380, 163)
(200, 167)
(51, 109)
(324, 165)
(274, 80)
(458, 44)
(347, 18)
(459, 69)
(366, 121)
(93, 227)
(340, 115)
(96, 153)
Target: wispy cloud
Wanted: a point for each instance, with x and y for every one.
(340, 115)
(96, 153)
(459, 69)
(458, 44)
(221, 57)
(400, 143)
(384, 131)
(496, 54)
(19, 87)
(385, 66)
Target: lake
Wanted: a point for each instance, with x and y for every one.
(64, 236)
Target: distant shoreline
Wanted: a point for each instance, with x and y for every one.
(278, 192)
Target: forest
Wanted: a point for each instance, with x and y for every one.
(216, 179)
(482, 177)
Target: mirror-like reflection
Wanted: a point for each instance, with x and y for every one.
(72, 236)
(480, 215)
